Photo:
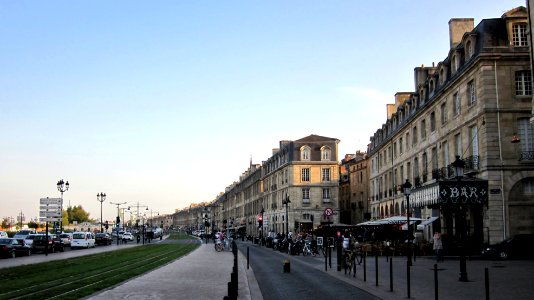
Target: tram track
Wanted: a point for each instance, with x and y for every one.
(70, 287)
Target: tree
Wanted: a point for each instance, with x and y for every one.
(65, 218)
(5, 223)
(33, 225)
(78, 214)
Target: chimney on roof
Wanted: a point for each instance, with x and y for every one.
(458, 27)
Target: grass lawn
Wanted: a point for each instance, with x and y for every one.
(77, 277)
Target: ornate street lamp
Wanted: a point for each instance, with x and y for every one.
(100, 197)
(260, 222)
(286, 203)
(407, 188)
(62, 186)
(458, 166)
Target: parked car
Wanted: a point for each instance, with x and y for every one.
(3, 235)
(127, 236)
(66, 238)
(28, 240)
(41, 242)
(519, 246)
(103, 239)
(10, 247)
(82, 240)
(26, 248)
(23, 233)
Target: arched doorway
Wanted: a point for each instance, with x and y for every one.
(521, 207)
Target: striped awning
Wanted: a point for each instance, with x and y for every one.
(389, 221)
(426, 195)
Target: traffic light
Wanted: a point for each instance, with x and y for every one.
(260, 220)
(107, 225)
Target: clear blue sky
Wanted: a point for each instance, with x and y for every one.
(163, 103)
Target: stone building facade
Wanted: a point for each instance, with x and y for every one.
(305, 171)
(475, 104)
(353, 189)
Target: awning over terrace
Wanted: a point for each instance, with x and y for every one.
(396, 220)
(426, 222)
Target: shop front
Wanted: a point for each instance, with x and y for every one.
(459, 207)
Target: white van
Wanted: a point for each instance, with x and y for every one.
(82, 240)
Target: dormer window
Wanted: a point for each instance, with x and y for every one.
(468, 50)
(423, 96)
(325, 153)
(519, 34)
(305, 152)
(455, 63)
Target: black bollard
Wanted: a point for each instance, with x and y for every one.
(486, 282)
(408, 278)
(376, 269)
(365, 267)
(248, 258)
(354, 264)
(326, 263)
(230, 291)
(234, 284)
(339, 254)
(329, 256)
(391, 275)
(436, 281)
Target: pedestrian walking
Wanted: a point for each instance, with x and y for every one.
(438, 246)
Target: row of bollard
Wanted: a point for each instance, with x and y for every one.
(232, 285)
(390, 259)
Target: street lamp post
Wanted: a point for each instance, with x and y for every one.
(286, 203)
(100, 197)
(62, 186)
(118, 218)
(137, 221)
(261, 226)
(407, 186)
(458, 166)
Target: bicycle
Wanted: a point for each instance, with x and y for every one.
(225, 244)
(306, 249)
(321, 249)
(219, 245)
(358, 254)
(349, 260)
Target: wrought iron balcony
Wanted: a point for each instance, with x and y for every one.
(526, 155)
(472, 163)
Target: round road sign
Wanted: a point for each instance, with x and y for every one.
(328, 211)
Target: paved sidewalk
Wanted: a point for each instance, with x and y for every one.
(507, 279)
(202, 274)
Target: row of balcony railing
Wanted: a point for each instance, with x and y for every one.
(526, 155)
(472, 164)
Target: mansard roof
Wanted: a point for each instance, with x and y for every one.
(315, 138)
